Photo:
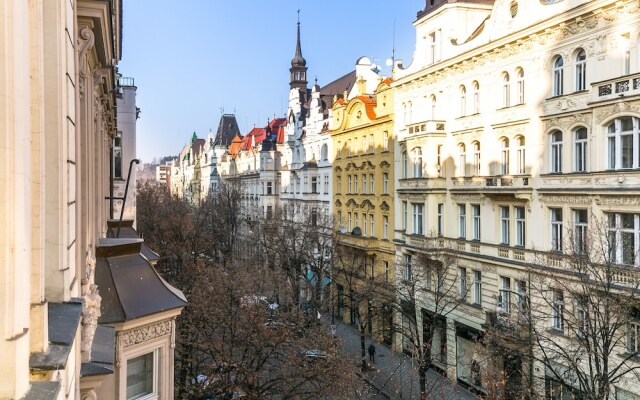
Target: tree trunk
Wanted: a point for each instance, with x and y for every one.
(363, 352)
(422, 372)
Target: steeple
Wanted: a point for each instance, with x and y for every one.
(298, 68)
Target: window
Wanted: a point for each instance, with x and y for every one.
(506, 90)
(349, 147)
(476, 158)
(364, 183)
(117, 156)
(520, 226)
(476, 97)
(580, 150)
(504, 157)
(269, 188)
(356, 221)
(622, 139)
(504, 225)
(520, 155)
(405, 165)
(371, 184)
(522, 298)
(141, 379)
(340, 219)
(355, 184)
(582, 317)
(634, 337)
(417, 162)
(339, 185)
(371, 143)
(557, 310)
(580, 225)
(558, 76)
(504, 296)
(581, 71)
(385, 183)
(462, 221)
(324, 152)
(556, 152)
(463, 283)
(407, 273)
(626, 47)
(440, 219)
(463, 101)
(439, 161)
(462, 163)
(385, 227)
(432, 48)
(349, 185)
(339, 150)
(365, 145)
(623, 237)
(475, 211)
(349, 221)
(326, 184)
(520, 86)
(385, 141)
(477, 287)
(372, 231)
(314, 184)
(364, 225)
(386, 271)
(405, 211)
(556, 229)
(418, 218)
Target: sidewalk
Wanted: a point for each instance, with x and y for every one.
(394, 374)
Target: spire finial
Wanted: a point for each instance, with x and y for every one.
(298, 16)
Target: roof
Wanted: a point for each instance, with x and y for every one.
(227, 129)
(277, 128)
(337, 88)
(252, 138)
(235, 145)
(128, 232)
(129, 285)
(369, 106)
(431, 5)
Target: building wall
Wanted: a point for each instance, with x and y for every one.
(522, 178)
(127, 117)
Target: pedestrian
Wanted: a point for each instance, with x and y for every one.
(372, 353)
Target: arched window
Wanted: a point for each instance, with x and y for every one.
(580, 149)
(417, 162)
(463, 101)
(462, 163)
(405, 165)
(433, 107)
(521, 155)
(476, 158)
(324, 152)
(520, 74)
(581, 71)
(476, 97)
(409, 113)
(622, 138)
(558, 76)
(506, 90)
(556, 151)
(504, 156)
(298, 159)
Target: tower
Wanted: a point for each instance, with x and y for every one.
(298, 68)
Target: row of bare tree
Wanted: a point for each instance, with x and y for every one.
(563, 329)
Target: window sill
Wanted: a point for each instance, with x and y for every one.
(556, 332)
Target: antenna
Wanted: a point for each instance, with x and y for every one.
(391, 61)
(222, 110)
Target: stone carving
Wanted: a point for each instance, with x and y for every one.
(466, 197)
(579, 25)
(90, 315)
(90, 395)
(624, 106)
(566, 122)
(618, 201)
(144, 334)
(557, 199)
(86, 39)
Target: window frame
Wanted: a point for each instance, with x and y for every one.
(477, 287)
(417, 212)
(556, 225)
(462, 221)
(558, 76)
(476, 221)
(556, 143)
(505, 225)
(580, 149)
(580, 68)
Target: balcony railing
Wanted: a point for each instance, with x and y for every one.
(430, 126)
(627, 85)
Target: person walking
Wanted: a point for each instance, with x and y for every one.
(372, 353)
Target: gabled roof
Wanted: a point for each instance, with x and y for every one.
(235, 145)
(227, 129)
(277, 128)
(337, 88)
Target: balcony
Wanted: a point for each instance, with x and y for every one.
(425, 127)
(420, 184)
(488, 185)
(628, 85)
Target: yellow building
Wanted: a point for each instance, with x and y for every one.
(362, 134)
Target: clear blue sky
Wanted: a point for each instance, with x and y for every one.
(192, 58)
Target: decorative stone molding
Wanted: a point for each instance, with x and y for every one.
(144, 334)
(633, 201)
(624, 106)
(467, 197)
(384, 206)
(86, 39)
(90, 395)
(90, 315)
(574, 200)
(566, 122)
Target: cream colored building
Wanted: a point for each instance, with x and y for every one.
(516, 129)
(57, 110)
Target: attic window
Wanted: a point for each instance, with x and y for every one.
(513, 9)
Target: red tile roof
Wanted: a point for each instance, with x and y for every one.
(369, 105)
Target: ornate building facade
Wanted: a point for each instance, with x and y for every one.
(516, 134)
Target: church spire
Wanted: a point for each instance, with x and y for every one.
(298, 68)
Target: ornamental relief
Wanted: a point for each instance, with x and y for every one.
(467, 197)
(566, 122)
(144, 334)
(632, 201)
(604, 113)
(573, 200)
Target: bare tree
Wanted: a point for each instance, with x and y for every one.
(429, 290)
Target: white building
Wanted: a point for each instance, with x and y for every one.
(515, 128)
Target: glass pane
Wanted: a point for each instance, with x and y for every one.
(627, 221)
(626, 124)
(628, 255)
(626, 143)
(140, 376)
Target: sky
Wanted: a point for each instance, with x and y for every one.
(193, 59)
